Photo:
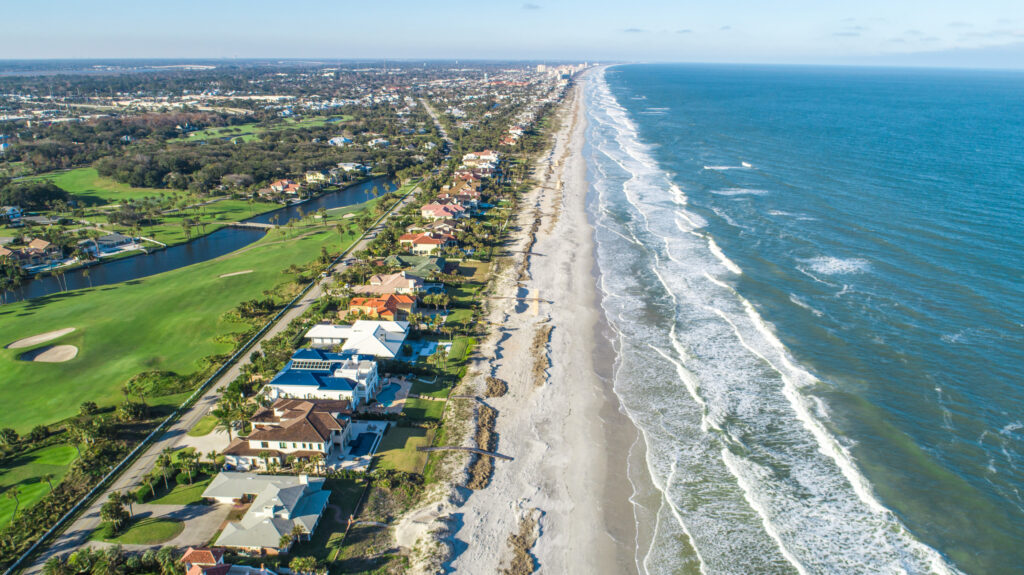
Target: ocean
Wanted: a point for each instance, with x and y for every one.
(815, 281)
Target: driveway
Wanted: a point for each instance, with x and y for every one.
(201, 523)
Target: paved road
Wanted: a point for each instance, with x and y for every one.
(437, 121)
(78, 532)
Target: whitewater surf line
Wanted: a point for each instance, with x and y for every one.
(741, 455)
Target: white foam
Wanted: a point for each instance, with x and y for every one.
(828, 265)
(796, 299)
(735, 382)
(739, 192)
(729, 264)
(723, 168)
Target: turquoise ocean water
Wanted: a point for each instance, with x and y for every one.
(816, 282)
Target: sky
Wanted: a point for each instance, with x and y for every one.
(961, 33)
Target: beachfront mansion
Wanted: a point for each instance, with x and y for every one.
(319, 374)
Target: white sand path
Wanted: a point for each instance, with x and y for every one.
(232, 274)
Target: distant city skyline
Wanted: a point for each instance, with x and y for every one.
(986, 33)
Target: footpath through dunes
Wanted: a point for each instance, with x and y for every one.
(41, 338)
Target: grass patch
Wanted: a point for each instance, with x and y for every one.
(438, 390)
(423, 409)
(183, 494)
(93, 189)
(326, 539)
(210, 219)
(458, 350)
(398, 449)
(167, 322)
(204, 427)
(149, 531)
(27, 471)
(251, 132)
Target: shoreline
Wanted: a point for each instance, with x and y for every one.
(560, 419)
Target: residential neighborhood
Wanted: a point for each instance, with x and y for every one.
(321, 426)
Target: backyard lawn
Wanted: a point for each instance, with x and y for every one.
(423, 409)
(27, 473)
(398, 448)
(148, 531)
(329, 533)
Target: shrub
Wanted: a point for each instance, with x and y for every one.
(182, 479)
(142, 494)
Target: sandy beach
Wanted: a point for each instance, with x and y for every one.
(563, 426)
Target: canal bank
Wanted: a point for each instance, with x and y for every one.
(213, 245)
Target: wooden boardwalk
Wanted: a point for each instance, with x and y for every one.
(471, 449)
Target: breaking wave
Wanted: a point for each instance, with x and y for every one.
(747, 468)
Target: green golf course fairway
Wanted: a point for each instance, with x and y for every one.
(27, 471)
(87, 183)
(163, 322)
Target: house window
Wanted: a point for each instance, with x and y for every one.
(295, 446)
(264, 444)
(282, 445)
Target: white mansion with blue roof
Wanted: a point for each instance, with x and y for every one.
(318, 374)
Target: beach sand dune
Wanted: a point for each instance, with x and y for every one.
(41, 338)
(559, 419)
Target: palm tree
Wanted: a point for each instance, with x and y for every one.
(225, 419)
(303, 565)
(12, 493)
(55, 565)
(265, 456)
(284, 541)
(187, 459)
(164, 461)
(48, 478)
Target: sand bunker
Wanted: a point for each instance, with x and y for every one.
(38, 339)
(50, 354)
(235, 274)
(347, 216)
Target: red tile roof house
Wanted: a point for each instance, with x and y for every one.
(426, 244)
(308, 429)
(437, 211)
(202, 557)
(392, 307)
(281, 185)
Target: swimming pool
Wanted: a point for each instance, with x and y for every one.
(387, 396)
(363, 445)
